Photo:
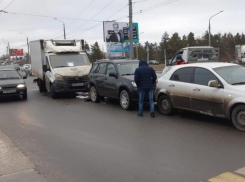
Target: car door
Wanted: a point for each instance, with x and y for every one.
(111, 82)
(180, 87)
(205, 99)
(100, 78)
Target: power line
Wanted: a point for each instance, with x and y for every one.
(45, 16)
(7, 6)
(1, 1)
(149, 8)
(94, 15)
(31, 28)
(99, 24)
(81, 13)
(117, 12)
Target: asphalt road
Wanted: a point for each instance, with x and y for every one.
(70, 140)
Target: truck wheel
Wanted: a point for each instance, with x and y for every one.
(238, 117)
(125, 100)
(53, 93)
(24, 97)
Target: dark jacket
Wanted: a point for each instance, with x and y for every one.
(145, 77)
(114, 37)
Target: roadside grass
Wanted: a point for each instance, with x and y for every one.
(158, 68)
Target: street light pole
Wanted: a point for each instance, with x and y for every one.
(64, 27)
(209, 28)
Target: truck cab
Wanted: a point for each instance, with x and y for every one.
(63, 66)
(195, 54)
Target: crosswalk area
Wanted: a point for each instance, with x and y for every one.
(236, 176)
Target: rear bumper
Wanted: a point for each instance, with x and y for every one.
(64, 87)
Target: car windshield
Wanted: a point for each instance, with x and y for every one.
(9, 75)
(68, 60)
(127, 69)
(234, 75)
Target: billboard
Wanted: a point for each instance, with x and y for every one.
(119, 32)
(117, 47)
(16, 52)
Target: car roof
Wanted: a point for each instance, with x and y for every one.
(3, 68)
(209, 65)
(117, 61)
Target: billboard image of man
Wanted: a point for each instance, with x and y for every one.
(115, 35)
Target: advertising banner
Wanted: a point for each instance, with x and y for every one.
(118, 32)
(16, 52)
(117, 47)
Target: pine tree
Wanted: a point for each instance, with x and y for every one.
(96, 52)
(191, 40)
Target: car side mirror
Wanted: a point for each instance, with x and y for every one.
(24, 77)
(112, 75)
(45, 68)
(214, 83)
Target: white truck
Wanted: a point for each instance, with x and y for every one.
(195, 54)
(240, 53)
(61, 66)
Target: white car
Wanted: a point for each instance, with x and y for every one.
(215, 89)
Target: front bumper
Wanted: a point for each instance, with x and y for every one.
(16, 93)
(64, 87)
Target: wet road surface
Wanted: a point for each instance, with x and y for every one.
(70, 140)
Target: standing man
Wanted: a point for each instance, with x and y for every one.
(179, 60)
(116, 35)
(145, 78)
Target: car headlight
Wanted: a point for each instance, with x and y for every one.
(134, 84)
(0, 88)
(59, 77)
(21, 86)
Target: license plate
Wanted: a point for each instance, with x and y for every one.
(9, 91)
(77, 84)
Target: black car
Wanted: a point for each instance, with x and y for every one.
(114, 79)
(12, 83)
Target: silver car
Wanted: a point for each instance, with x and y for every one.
(215, 89)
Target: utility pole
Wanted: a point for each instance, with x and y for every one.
(64, 28)
(137, 51)
(165, 57)
(147, 51)
(131, 29)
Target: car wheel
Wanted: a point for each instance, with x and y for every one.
(125, 101)
(94, 96)
(24, 97)
(53, 93)
(165, 105)
(238, 117)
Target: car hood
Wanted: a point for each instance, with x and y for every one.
(73, 71)
(240, 88)
(129, 77)
(11, 82)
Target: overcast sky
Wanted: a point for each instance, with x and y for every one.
(180, 16)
